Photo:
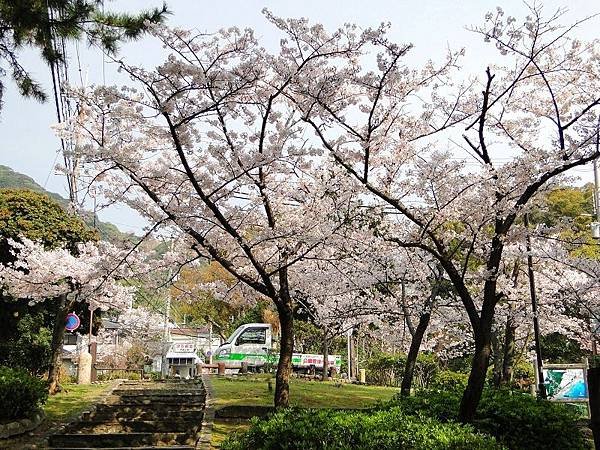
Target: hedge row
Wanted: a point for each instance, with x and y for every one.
(518, 420)
(336, 430)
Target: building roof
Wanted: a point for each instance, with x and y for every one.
(184, 355)
(189, 331)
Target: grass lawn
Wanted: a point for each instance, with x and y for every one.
(221, 429)
(73, 400)
(254, 390)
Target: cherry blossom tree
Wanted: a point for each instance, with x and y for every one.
(216, 143)
(208, 143)
(538, 113)
(90, 275)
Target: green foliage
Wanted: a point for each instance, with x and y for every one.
(9, 179)
(387, 369)
(30, 347)
(20, 393)
(308, 338)
(330, 429)
(460, 363)
(523, 375)
(40, 219)
(25, 330)
(120, 375)
(252, 315)
(518, 420)
(558, 348)
(448, 380)
(571, 210)
(524, 422)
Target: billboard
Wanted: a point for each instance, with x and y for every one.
(565, 384)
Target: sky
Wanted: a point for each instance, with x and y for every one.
(28, 144)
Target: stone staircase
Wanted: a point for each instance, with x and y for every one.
(140, 415)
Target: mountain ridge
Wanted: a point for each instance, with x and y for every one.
(12, 179)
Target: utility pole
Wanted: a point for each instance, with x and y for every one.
(349, 339)
(536, 326)
(166, 346)
(210, 347)
(596, 225)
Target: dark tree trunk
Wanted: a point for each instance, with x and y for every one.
(353, 372)
(509, 351)
(497, 359)
(58, 333)
(510, 346)
(479, 365)
(284, 367)
(325, 355)
(418, 334)
(413, 353)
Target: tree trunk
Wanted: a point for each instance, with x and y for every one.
(509, 351)
(325, 355)
(58, 333)
(479, 365)
(284, 367)
(353, 372)
(418, 334)
(413, 353)
(497, 359)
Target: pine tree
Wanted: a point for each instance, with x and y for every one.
(47, 25)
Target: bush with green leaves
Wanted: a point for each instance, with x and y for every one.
(20, 393)
(518, 420)
(387, 369)
(332, 430)
(448, 380)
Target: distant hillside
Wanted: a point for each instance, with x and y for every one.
(15, 180)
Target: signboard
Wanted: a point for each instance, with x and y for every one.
(183, 347)
(72, 322)
(566, 384)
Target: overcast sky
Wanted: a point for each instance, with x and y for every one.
(29, 146)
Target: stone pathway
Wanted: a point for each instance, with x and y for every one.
(140, 415)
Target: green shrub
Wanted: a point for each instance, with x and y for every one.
(20, 393)
(383, 430)
(448, 380)
(119, 375)
(515, 419)
(524, 422)
(387, 369)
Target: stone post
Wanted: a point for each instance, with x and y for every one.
(84, 369)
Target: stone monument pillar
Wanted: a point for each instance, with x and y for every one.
(84, 370)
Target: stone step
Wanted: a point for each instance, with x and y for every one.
(111, 440)
(135, 426)
(141, 413)
(161, 447)
(118, 391)
(200, 394)
(132, 401)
